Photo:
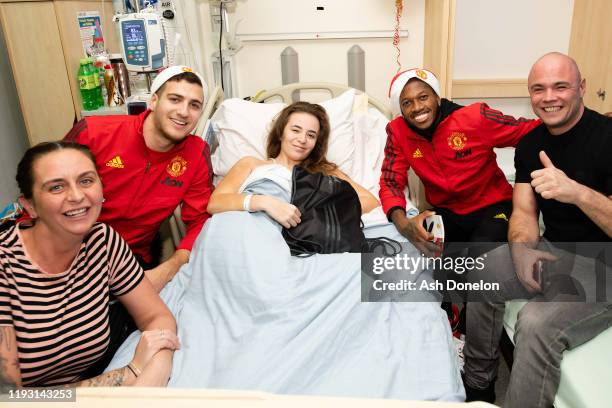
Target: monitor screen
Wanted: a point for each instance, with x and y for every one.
(133, 32)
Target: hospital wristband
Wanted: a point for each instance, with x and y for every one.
(246, 203)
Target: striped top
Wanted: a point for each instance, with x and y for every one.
(61, 320)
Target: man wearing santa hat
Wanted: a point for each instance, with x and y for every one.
(450, 148)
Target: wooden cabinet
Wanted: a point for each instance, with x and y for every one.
(35, 50)
(590, 47)
(43, 43)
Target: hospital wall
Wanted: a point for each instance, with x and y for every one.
(501, 39)
(258, 63)
(492, 39)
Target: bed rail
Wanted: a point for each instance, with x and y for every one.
(285, 93)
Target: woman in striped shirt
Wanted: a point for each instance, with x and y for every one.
(56, 277)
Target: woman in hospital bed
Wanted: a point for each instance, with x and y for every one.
(299, 136)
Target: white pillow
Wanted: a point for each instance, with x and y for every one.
(241, 128)
(341, 146)
(370, 139)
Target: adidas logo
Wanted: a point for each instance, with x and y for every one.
(417, 154)
(501, 216)
(115, 162)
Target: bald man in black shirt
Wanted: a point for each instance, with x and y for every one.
(564, 171)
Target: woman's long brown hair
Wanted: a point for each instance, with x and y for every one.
(316, 160)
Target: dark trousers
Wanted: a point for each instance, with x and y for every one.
(484, 226)
(484, 230)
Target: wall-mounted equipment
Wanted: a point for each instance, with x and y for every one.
(143, 43)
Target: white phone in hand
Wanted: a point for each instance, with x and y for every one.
(435, 226)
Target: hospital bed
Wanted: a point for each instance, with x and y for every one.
(585, 371)
(245, 333)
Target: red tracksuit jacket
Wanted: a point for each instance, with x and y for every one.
(143, 187)
(458, 167)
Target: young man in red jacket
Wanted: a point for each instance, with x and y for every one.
(149, 164)
(450, 148)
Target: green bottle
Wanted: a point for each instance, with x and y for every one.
(99, 100)
(87, 85)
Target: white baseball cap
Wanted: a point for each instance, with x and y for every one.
(401, 79)
(173, 71)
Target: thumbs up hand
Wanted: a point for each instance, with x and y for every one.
(545, 160)
(552, 183)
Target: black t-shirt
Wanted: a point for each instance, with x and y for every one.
(584, 153)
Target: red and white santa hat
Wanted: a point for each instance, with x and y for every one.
(401, 79)
(173, 71)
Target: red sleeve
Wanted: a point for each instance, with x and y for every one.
(79, 133)
(504, 130)
(394, 176)
(195, 201)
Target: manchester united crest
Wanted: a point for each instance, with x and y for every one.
(177, 166)
(421, 74)
(457, 141)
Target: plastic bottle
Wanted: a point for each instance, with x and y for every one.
(87, 85)
(99, 57)
(99, 101)
(122, 84)
(109, 84)
(100, 71)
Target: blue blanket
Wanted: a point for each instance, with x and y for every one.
(252, 317)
